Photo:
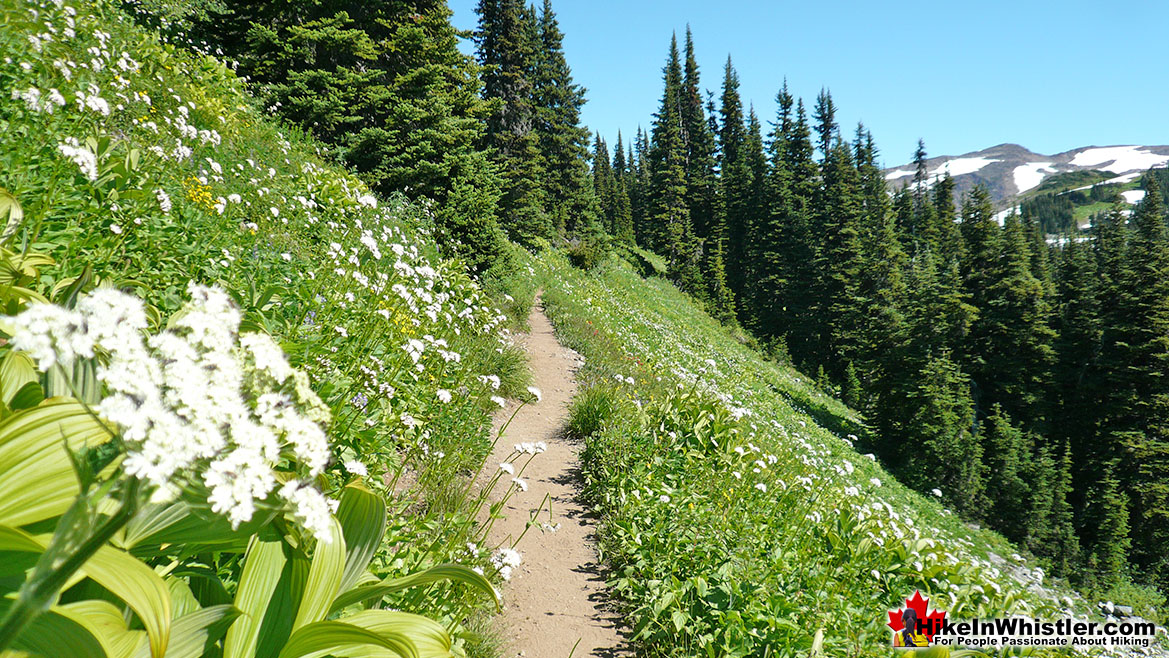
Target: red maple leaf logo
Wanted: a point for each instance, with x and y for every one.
(931, 621)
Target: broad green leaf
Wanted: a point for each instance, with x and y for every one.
(326, 638)
(263, 564)
(455, 572)
(14, 539)
(429, 637)
(29, 396)
(193, 634)
(78, 382)
(107, 623)
(181, 524)
(16, 370)
(143, 590)
(182, 601)
(52, 634)
(362, 514)
(39, 480)
(10, 213)
(324, 578)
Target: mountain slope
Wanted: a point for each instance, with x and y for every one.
(740, 513)
(1008, 170)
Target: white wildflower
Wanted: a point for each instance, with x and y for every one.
(164, 202)
(85, 159)
(310, 508)
(356, 468)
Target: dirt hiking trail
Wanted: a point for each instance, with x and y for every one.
(556, 599)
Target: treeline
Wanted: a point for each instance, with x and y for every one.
(494, 142)
(1028, 383)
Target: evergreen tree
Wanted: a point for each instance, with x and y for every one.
(604, 184)
(803, 246)
(839, 261)
(700, 147)
(562, 141)
(940, 448)
(1007, 455)
(508, 42)
(622, 216)
(736, 182)
(757, 207)
(1011, 341)
(1139, 402)
(639, 188)
(774, 262)
(1077, 322)
(948, 241)
(1108, 530)
(826, 128)
(384, 83)
(1063, 546)
(669, 229)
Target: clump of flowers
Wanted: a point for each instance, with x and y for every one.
(197, 402)
(505, 560)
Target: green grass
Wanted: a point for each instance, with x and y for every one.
(737, 517)
(1068, 180)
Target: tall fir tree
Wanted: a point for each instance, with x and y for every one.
(1075, 375)
(1006, 454)
(604, 183)
(562, 140)
(669, 230)
(826, 127)
(735, 182)
(939, 448)
(773, 260)
(701, 179)
(1010, 350)
(622, 218)
(1107, 529)
(508, 43)
(757, 207)
(839, 262)
(1139, 400)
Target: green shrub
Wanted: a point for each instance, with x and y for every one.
(593, 409)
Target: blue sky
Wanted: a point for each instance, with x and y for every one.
(963, 76)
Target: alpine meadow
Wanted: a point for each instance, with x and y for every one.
(329, 329)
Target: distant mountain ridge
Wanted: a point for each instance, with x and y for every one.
(1008, 170)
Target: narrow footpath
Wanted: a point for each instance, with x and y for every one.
(555, 604)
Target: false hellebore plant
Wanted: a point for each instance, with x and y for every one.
(145, 442)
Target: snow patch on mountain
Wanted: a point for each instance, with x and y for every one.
(1133, 196)
(961, 166)
(1031, 175)
(1119, 159)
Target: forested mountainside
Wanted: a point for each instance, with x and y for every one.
(263, 263)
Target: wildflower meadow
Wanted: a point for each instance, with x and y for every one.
(240, 392)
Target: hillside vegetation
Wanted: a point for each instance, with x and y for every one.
(293, 382)
(740, 514)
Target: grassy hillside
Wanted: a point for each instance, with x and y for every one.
(131, 164)
(739, 518)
